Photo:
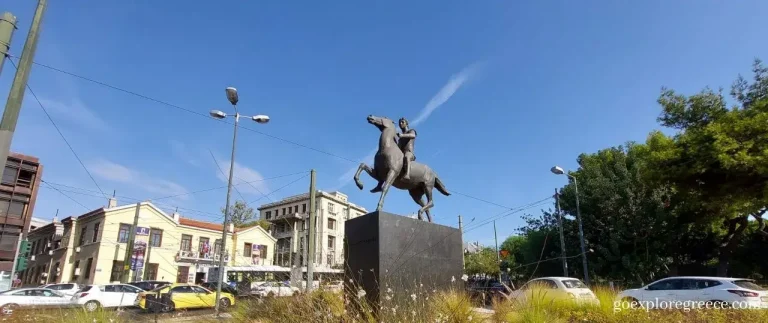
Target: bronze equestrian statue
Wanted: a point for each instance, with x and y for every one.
(390, 166)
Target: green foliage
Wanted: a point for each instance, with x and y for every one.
(264, 224)
(483, 262)
(240, 213)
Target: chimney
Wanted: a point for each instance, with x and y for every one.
(112, 201)
(56, 217)
(176, 215)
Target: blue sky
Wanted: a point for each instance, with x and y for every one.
(513, 88)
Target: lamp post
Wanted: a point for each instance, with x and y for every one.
(557, 170)
(233, 99)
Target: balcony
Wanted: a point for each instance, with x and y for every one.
(193, 255)
(288, 217)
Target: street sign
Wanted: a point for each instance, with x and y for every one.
(141, 231)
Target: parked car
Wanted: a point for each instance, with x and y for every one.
(182, 296)
(272, 289)
(711, 290)
(64, 289)
(224, 288)
(571, 288)
(93, 297)
(149, 284)
(31, 298)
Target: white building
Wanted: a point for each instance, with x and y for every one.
(289, 218)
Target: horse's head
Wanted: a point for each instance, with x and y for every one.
(381, 122)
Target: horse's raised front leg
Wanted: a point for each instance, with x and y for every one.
(361, 168)
(385, 188)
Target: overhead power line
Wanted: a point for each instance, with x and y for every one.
(146, 97)
(61, 134)
(116, 88)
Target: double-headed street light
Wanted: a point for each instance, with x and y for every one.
(557, 170)
(233, 98)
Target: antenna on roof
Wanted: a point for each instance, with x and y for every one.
(114, 192)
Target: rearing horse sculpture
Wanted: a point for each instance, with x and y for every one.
(388, 165)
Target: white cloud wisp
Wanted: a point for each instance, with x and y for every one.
(455, 82)
(115, 172)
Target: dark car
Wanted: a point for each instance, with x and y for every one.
(149, 284)
(224, 288)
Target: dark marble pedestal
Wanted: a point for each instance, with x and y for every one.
(397, 256)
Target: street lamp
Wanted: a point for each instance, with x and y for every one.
(557, 170)
(233, 99)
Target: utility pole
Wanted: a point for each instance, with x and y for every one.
(129, 247)
(16, 96)
(461, 229)
(312, 228)
(7, 27)
(562, 239)
(498, 257)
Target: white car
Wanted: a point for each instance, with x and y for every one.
(64, 289)
(32, 298)
(93, 297)
(572, 288)
(272, 289)
(689, 290)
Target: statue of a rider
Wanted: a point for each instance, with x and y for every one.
(406, 141)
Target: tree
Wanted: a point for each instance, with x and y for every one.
(482, 262)
(264, 224)
(240, 213)
(719, 158)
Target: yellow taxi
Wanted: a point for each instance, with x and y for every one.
(170, 297)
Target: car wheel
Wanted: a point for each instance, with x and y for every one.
(296, 293)
(92, 306)
(270, 294)
(9, 308)
(224, 303)
(168, 308)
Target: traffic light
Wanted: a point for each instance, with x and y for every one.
(21, 261)
(24, 248)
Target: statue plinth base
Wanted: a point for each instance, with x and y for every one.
(384, 251)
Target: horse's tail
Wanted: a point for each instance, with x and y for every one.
(440, 187)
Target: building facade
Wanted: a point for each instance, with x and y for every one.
(18, 192)
(290, 221)
(91, 248)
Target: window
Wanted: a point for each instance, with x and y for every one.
(304, 208)
(25, 178)
(263, 252)
(83, 232)
(9, 175)
(117, 270)
(331, 242)
(151, 272)
(331, 208)
(9, 237)
(123, 232)
(203, 247)
(95, 232)
(181, 277)
(269, 215)
(155, 237)
(296, 209)
(16, 209)
(74, 269)
(331, 224)
(186, 242)
(667, 284)
(217, 247)
(283, 211)
(247, 248)
(88, 268)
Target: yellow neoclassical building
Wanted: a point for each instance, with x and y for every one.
(90, 248)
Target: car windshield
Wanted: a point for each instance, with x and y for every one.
(573, 283)
(748, 284)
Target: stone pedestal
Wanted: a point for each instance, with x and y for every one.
(384, 252)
